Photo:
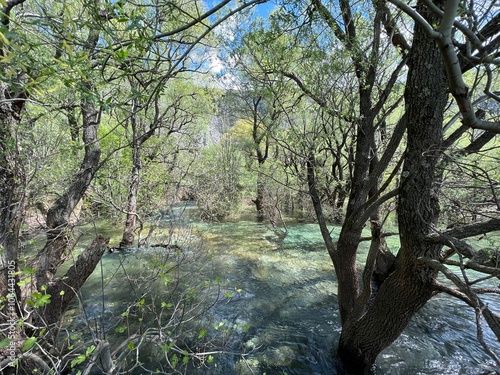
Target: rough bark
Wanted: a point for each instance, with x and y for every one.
(344, 259)
(139, 137)
(12, 182)
(345, 250)
(58, 216)
(53, 253)
(12, 173)
(410, 286)
(62, 290)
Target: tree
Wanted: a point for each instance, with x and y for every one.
(372, 318)
(252, 132)
(219, 179)
(13, 179)
(46, 293)
(370, 327)
(170, 114)
(89, 44)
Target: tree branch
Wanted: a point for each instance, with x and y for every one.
(417, 17)
(321, 102)
(443, 38)
(63, 290)
(370, 206)
(493, 271)
(474, 229)
(397, 38)
(331, 22)
(491, 318)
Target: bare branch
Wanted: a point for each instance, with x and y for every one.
(382, 235)
(493, 271)
(417, 17)
(195, 21)
(457, 86)
(320, 101)
(474, 229)
(491, 318)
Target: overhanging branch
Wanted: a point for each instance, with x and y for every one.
(474, 229)
(443, 38)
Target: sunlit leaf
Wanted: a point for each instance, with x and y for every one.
(28, 344)
(5, 342)
(202, 333)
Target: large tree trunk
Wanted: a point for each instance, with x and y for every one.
(53, 253)
(12, 186)
(410, 286)
(12, 174)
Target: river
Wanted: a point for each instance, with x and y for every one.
(280, 311)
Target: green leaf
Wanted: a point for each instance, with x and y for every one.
(28, 344)
(78, 360)
(131, 345)
(4, 39)
(246, 327)
(89, 350)
(202, 333)
(5, 342)
(174, 360)
(28, 271)
(38, 300)
(166, 279)
(121, 329)
(22, 283)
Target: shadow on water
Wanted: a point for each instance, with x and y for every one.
(284, 315)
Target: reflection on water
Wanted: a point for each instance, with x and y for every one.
(285, 311)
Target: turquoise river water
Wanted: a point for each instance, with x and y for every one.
(282, 307)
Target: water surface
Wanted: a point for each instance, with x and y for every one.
(282, 311)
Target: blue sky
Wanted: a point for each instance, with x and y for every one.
(263, 10)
